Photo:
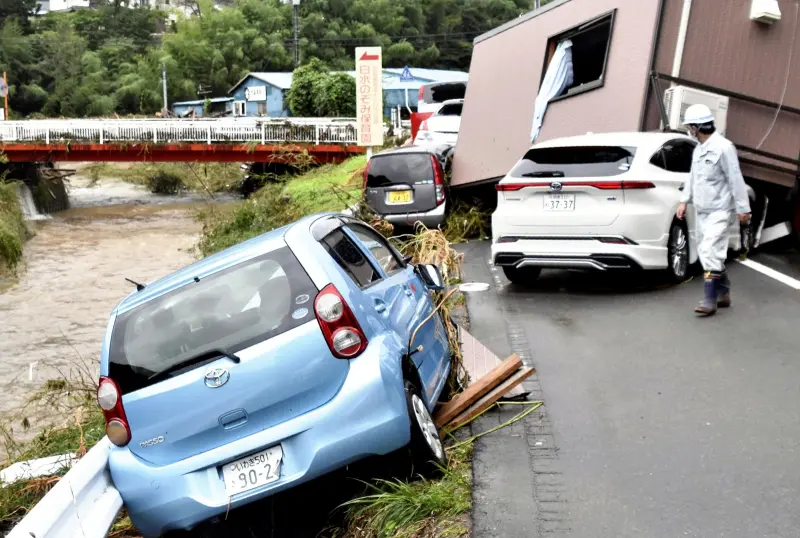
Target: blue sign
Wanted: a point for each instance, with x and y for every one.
(406, 75)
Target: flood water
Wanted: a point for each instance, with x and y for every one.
(54, 318)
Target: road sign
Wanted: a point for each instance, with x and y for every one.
(3, 88)
(406, 75)
(369, 96)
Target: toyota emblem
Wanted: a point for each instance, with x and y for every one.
(556, 186)
(216, 377)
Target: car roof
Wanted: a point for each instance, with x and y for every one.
(431, 149)
(644, 141)
(453, 102)
(214, 263)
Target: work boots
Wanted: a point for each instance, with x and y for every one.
(724, 291)
(708, 305)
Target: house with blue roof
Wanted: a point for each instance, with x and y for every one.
(264, 94)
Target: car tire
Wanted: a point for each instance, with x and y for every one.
(522, 276)
(426, 448)
(678, 252)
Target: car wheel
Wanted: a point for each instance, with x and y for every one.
(522, 276)
(678, 252)
(427, 450)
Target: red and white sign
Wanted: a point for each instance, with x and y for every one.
(369, 96)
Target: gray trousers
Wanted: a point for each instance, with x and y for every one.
(713, 231)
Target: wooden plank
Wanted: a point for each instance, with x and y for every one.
(478, 360)
(489, 399)
(477, 389)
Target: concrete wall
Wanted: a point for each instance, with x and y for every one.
(725, 49)
(506, 70)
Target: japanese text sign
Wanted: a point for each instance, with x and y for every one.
(369, 96)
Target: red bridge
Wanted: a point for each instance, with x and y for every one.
(156, 140)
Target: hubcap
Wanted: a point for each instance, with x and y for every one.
(680, 254)
(427, 426)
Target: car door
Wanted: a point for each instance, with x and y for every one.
(675, 158)
(398, 296)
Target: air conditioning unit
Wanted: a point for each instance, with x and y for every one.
(765, 11)
(678, 98)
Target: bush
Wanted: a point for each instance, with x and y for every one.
(12, 226)
(164, 182)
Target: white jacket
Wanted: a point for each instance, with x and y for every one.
(716, 182)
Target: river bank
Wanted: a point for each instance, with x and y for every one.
(72, 274)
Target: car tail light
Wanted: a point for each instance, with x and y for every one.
(110, 401)
(438, 180)
(602, 185)
(339, 325)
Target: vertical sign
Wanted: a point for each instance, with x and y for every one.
(369, 96)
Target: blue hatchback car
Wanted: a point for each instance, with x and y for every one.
(267, 365)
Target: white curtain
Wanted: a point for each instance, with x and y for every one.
(558, 77)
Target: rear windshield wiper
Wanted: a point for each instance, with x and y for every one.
(205, 356)
(544, 174)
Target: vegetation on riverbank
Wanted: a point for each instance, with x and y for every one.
(12, 228)
(171, 178)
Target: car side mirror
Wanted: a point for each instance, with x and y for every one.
(431, 276)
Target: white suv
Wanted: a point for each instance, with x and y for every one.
(598, 202)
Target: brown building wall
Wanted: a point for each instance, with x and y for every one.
(725, 49)
(506, 70)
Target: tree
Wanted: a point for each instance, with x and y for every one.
(335, 95)
(306, 81)
(18, 10)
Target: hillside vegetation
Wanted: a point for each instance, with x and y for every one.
(108, 60)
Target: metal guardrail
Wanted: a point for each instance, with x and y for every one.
(163, 131)
(84, 503)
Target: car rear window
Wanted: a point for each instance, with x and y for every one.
(452, 109)
(583, 161)
(228, 311)
(439, 93)
(400, 168)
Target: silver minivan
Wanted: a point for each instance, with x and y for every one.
(407, 185)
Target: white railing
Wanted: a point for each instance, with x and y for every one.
(84, 503)
(165, 131)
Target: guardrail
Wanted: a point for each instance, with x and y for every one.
(84, 503)
(160, 131)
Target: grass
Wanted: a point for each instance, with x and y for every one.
(13, 231)
(171, 178)
(421, 508)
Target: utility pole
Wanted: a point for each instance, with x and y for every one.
(536, 4)
(164, 84)
(296, 24)
(5, 95)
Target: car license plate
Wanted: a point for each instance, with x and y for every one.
(559, 202)
(399, 197)
(253, 471)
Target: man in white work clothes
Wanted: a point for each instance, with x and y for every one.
(717, 190)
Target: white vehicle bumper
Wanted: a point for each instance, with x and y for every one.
(599, 253)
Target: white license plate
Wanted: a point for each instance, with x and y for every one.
(559, 202)
(254, 471)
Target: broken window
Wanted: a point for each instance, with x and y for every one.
(590, 47)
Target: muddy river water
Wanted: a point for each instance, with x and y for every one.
(54, 318)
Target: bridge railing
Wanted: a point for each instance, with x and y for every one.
(163, 131)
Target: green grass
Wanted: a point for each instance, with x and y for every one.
(400, 509)
(171, 178)
(328, 188)
(12, 227)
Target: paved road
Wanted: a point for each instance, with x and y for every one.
(655, 424)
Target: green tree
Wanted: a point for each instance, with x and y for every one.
(335, 95)
(306, 81)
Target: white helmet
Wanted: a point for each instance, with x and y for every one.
(697, 115)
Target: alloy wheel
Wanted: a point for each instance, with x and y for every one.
(427, 427)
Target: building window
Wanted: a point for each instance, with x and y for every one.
(239, 108)
(261, 109)
(591, 43)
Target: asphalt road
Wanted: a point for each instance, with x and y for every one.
(656, 423)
